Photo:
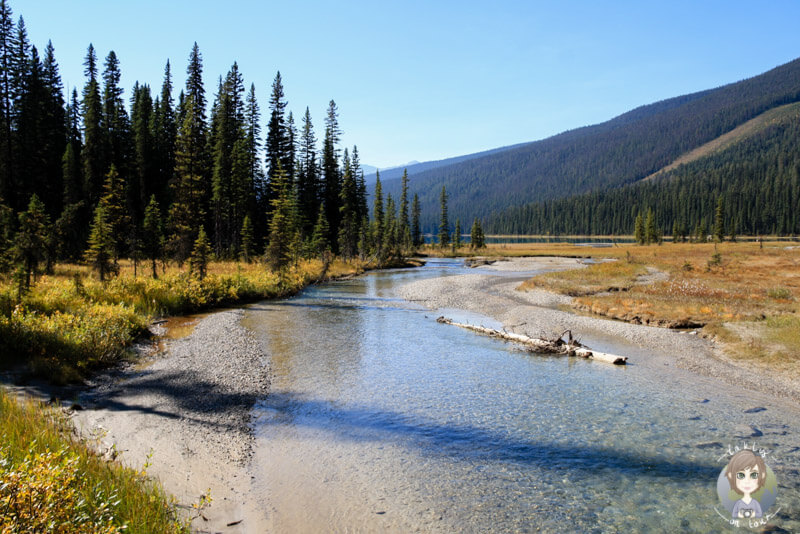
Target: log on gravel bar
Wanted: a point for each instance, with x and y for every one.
(570, 347)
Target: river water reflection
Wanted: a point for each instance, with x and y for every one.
(380, 419)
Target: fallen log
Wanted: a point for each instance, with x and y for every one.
(570, 347)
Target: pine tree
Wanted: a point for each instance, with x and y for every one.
(308, 190)
(30, 242)
(143, 175)
(100, 253)
(444, 225)
(719, 220)
(457, 235)
(319, 244)
(153, 233)
(201, 255)
(116, 123)
(416, 232)
(332, 185)
(164, 133)
(378, 222)
(278, 140)
(281, 227)
(6, 58)
(404, 226)
(348, 200)
(639, 234)
(650, 230)
(115, 212)
(94, 152)
(476, 236)
(247, 240)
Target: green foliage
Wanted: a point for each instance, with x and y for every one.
(444, 225)
(100, 253)
(319, 244)
(281, 225)
(201, 255)
(719, 221)
(49, 483)
(650, 229)
(639, 234)
(30, 243)
(477, 240)
(246, 240)
(153, 230)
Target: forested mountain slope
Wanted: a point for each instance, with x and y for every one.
(620, 151)
(756, 174)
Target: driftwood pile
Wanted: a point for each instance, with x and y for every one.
(570, 347)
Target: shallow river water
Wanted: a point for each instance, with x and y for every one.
(380, 419)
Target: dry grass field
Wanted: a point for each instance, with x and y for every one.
(744, 295)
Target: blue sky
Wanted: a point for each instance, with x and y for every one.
(429, 80)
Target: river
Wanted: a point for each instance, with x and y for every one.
(380, 419)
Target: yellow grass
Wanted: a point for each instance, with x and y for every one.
(713, 285)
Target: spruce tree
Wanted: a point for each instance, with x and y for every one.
(6, 237)
(278, 139)
(94, 152)
(719, 220)
(416, 231)
(164, 133)
(639, 234)
(31, 240)
(332, 184)
(6, 59)
(348, 212)
(115, 211)
(444, 225)
(281, 227)
(100, 253)
(247, 240)
(308, 186)
(650, 230)
(153, 233)
(457, 235)
(378, 223)
(201, 255)
(319, 243)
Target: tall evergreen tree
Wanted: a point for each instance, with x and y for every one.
(719, 220)
(142, 184)
(6, 59)
(94, 153)
(378, 231)
(444, 225)
(116, 213)
(457, 235)
(278, 138)
(319, 243)
(71, 169)
(350, 220)
(416, 231)
(153, 234)
(281, 227)
(650, 228)
(332, 185)
(201, 255)
(164, 130)
(116, 123)
(100, 253)
(639, 233)
(308, 194)
(30, 243)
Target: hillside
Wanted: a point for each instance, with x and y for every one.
(605, 156)
(755, 170)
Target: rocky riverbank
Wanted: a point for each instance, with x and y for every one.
(186, 412)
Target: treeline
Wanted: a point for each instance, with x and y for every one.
(95, 178)
(756, 182)
(604, 156)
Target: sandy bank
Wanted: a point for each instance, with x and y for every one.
(191, 407)
(492, 292)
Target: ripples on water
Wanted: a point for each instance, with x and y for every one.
(381, 419)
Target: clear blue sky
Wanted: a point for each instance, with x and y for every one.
(433, 79)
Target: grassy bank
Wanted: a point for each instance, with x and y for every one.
(744, 295)
(70, 323)
(50, 483)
